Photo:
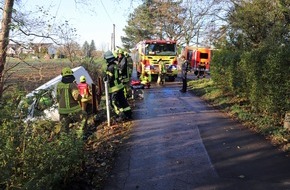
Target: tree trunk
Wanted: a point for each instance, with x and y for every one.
(4, 38)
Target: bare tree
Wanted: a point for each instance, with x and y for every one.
(188, 21)
(203, 19)
(68, 37)
(14, 26)
(23, 27)
(4, 38)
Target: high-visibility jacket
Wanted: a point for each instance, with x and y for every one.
(124, 72)
(144, 79)
(84, 89)
(67, 97)
(162, 68)
(113, 78)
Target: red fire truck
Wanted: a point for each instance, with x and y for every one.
(199, 59)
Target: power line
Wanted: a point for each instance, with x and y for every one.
(106, 12)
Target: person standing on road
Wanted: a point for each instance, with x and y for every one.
(116, 88)
(162, 72)
(184, 70)
(68, 98)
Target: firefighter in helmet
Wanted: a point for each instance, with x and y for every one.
(68, 98)
(129, 64)
(145, 76)
(123, 68)
(162, 72)
(116, 88)
(85, 92)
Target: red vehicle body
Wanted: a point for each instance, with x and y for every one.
(199, 59)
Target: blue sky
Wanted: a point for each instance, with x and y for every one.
(93, 20)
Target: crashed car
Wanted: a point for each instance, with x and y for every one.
(41, 102)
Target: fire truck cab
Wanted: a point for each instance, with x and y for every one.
(150, 51)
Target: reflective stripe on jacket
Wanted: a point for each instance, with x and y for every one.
(161, 67)
(66, 101)
(114, 81)
(120, 110)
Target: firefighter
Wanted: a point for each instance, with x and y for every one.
(201, 69)
(145, 79)
(85, 92)
(184, 70)
(145, 76)
(68, 98)
(130, 63)
(116, 88)
(162, 72)
(123, 68)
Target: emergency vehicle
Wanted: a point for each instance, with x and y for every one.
(199, 59)
(148, 52)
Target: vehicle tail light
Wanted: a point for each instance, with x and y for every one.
(146, 62)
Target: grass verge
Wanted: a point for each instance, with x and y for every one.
(239, 108)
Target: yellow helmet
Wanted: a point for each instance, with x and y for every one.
(126, 54)
(119, 51)
(66, 71)
(82, 79)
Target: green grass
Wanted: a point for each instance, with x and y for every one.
(240, 108)
(28, 74)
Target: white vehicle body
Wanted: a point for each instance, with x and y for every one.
(52, 112)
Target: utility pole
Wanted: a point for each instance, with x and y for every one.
(113, 45)
(112, 42)
(197, 36)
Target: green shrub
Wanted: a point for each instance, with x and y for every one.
(261, 75)
(225, 70)
(31, 159)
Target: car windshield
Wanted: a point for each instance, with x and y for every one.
(161, 49)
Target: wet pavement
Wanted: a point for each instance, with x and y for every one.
(178, 142)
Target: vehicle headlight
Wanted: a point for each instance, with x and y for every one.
(172, 67)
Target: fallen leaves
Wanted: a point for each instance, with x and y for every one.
(101, 148)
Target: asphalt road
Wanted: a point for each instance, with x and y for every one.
(179, 142)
